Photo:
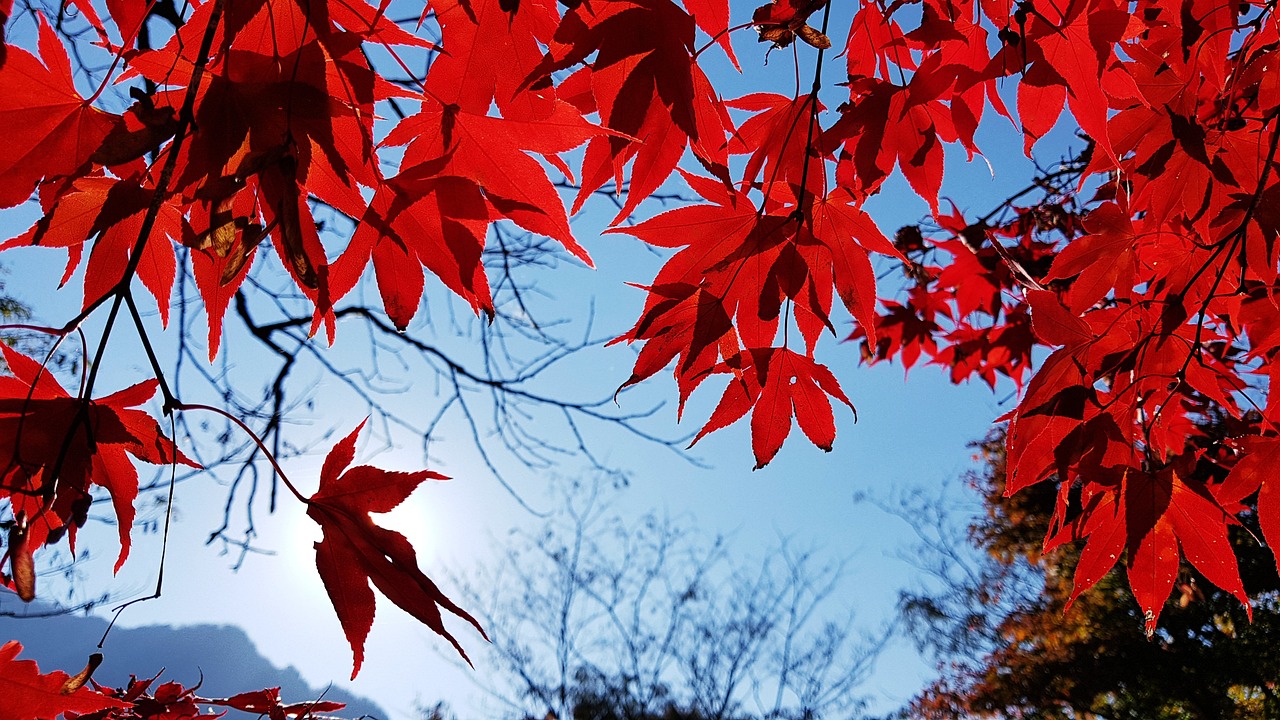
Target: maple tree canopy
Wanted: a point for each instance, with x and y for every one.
(1141, 272)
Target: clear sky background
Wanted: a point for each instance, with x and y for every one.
(911, 436)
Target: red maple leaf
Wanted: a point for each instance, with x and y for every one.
(110, 211)
(475, 30)
(727, 286)
(1255, 473)
(775, 138)
(777, 384)
(1154, 516)
(50, 130)
(169, 701)
(884, 125)
(26, 694)
(461, 172)
(173, 701)
(440, 226)
(903, 330)
(56, 446)
(712, 294)
(354, 551)
(1102, 259)
(1073, 48)
(648, 89)
(848, 235)
(494, 154)
(712, 17)
(292, 99)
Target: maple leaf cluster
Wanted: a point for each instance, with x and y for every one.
(1147, 268)
(30, 695)
(1154, 295)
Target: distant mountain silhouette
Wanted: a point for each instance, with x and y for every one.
(229, 660)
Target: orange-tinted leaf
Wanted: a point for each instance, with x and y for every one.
(781, 21)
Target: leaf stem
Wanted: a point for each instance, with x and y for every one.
(165, 392)
(183, 407)
(715, 38)
(813, 118)
(164, 545)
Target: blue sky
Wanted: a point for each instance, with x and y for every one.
(911, 435)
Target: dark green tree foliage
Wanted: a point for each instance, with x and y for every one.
(1010, 643)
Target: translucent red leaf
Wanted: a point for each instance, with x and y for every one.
(648, 89)
(1053, 323)
(494, 154)
(1165, 513)
(436, 224)
(777, 384)
(1078, 46)
(712, 16)
(1104, 526)
(50, 130)
(87, 443)
(1255, 472)
(476, 33)
(26, 694)
(850, 234)
(110, 211)
(355, 552)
